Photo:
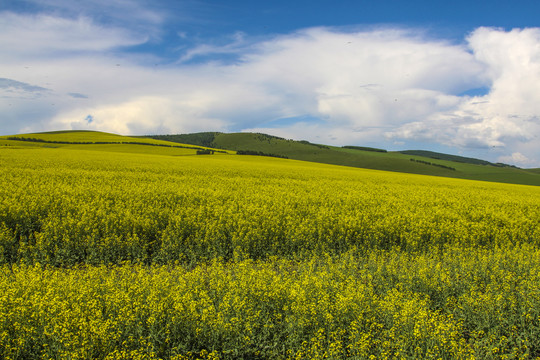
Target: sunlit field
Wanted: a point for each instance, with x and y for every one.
(109, 254)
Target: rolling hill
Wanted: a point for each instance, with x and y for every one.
(410, 161)
(101, 141)
(414, 161)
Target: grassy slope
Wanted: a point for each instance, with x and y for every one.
(90, 136)
(390, 161)
(441, 156)
(113, 142)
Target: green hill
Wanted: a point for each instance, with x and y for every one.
(456, 158)
(101, 141)
(414, 161)
(86, 137)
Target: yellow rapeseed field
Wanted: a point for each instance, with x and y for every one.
(111, 255)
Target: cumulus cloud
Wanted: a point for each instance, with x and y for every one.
(507, 117)
(516, 158)
(376, 87)
(141, 115)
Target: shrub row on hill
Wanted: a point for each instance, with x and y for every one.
(259, 153)
(364, 148)
(433, 164)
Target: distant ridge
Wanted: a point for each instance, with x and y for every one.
(456, 158)
(200, 139)
(258, 144)
(364, 148)
(408, 161)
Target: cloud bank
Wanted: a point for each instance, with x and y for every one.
(384, 87)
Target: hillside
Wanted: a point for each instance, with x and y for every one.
(101, 141)
(456, 158)
(414, 162)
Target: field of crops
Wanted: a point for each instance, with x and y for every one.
(108, 255)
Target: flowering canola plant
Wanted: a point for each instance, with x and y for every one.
(107, 255)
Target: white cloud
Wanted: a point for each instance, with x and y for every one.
(236, 46)
(508, 117)
(141, 115)
(369, 87)
(25, 36)
(126, 12)
(516, 158)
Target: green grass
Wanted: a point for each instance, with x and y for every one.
(202, 138)
(177, 145)
(135, 149)
(389, 161)
(441, 156)
(82, 136)
(99, 141)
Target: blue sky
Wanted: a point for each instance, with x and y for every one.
(458, 77)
